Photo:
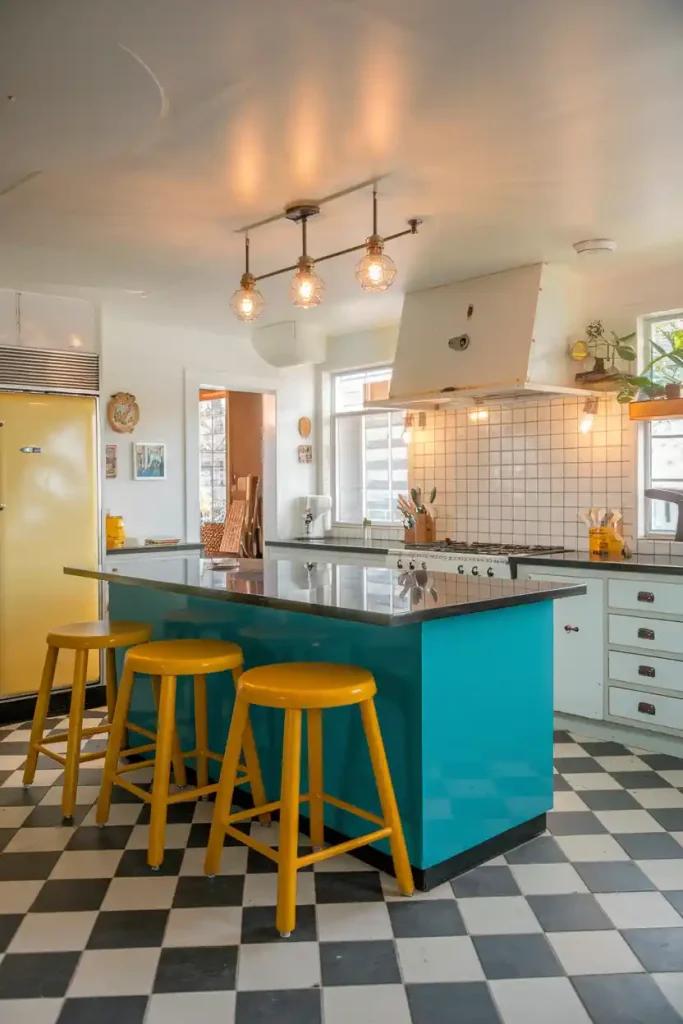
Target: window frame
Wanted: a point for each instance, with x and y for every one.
(644, 436)
(334, 417)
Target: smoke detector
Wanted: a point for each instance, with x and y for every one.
(594, 246)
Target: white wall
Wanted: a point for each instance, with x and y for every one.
(151, 361)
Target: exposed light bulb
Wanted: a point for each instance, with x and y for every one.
(376, 271)
(306, 289)
(477, 415)
(588, 416)
(247, 302)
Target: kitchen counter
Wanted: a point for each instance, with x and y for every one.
(465, 688)
(148, 549)
(381, 596)
(669, 565)
(353, 545)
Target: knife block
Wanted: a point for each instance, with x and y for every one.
(423, 532)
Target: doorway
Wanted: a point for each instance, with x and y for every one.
(231, 457)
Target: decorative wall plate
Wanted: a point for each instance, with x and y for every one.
(305, 426)
(123, 412)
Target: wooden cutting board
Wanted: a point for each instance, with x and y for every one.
(232, 534)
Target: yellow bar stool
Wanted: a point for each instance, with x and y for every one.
(81, 637)
(310, 687)
(164, 661)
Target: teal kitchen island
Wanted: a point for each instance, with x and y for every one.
(464, 671)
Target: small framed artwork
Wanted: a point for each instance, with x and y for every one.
(149, 461)
(305, 452)
(110, 461)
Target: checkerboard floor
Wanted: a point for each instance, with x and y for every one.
(582, 924)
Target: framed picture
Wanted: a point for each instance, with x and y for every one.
(305, 453)
(110, 461)
(149, 461)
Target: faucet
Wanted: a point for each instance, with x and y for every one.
(676, 498)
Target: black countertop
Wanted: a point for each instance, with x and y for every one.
(669, 565)
(354, 545)
(148, 549)
(358, 593)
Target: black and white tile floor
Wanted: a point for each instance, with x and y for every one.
(582, 924)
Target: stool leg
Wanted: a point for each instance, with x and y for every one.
(387, 798)
(110, 679)
(315, 776)
(116, 735)
(201, 730)
(251, 760)
(40, 714)
(73, 745)
(285, 917)
(226, 786)
(166, 734)
(179, 773)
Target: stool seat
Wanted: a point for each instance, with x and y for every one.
(304, 684)
(185, 657)
(99, 635)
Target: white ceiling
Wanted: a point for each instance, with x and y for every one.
(158, 127)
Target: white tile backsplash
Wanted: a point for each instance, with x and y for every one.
(524, 475)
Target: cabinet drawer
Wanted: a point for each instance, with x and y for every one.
(639, 596)
(646, 671)
(650, 634)
(654, 710)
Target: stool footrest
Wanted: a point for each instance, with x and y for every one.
(349, 844)
(267, 851)
(352, 809)
(62, 737)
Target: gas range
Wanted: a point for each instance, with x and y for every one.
(486, 560)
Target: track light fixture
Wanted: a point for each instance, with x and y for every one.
(375, 272)
(247, 302)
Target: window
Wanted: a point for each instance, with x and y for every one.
(370, 461)
(212, 457)
(663, 439)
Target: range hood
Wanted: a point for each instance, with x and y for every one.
(492, 338)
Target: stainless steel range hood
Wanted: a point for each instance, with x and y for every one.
(492, 338)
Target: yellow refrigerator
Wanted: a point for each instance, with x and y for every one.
(48, 519)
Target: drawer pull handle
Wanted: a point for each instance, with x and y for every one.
(647, 596)
(646, 709)
(646, 670)
(571, 629)
(646, 634)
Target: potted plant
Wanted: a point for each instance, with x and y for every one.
(661, 378)
(604, 350)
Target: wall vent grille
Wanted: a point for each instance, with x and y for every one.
(26, 369)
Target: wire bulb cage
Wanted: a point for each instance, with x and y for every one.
(307, 288)
(247, 303)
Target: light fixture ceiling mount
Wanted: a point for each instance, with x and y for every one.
(375, 272)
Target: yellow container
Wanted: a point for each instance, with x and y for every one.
(598, 539)
(116, 532)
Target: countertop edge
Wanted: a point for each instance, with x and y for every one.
(148, 549)
(624, 565)
(336, 544)
(349, 615)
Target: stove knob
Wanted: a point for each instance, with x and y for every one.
(490, 572)
(411, 565)
(461, 569)
(475, 570)
(399, 564)
(424, 565)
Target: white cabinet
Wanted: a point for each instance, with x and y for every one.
(57, 322)
(579, 647)
(8, 319)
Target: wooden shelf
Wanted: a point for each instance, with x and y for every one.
(657, 409)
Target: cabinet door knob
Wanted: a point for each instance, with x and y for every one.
(646, 670)
(646, 634)
(571, 629)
